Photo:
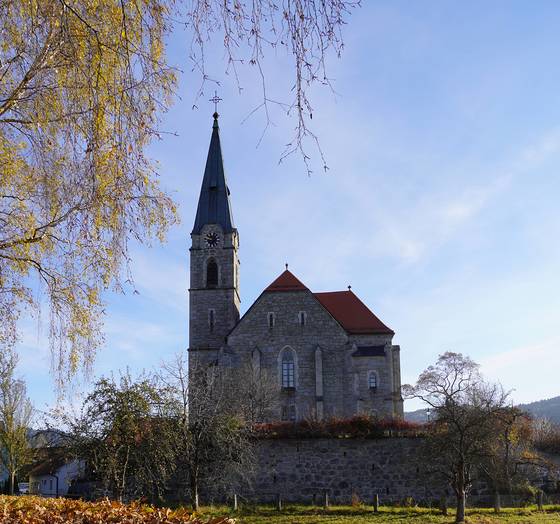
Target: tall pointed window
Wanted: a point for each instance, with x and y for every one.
(211, 319)
(288, 369)
(212, 273)
(372, 380)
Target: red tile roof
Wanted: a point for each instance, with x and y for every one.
(286, 282)
(50, 460)
(351, 313)
(346, 308)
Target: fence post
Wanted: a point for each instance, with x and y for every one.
(376, 503)
(497, 502)
(314, 499)
(235, 502)
(443, 505)
(326, 499)
(279, 502)
(540, 499)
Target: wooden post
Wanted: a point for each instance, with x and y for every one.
(497, 502)
(235, 507)
(443, 505)
(376, 503)
(540, 499)
(279, 502)
(326, 500)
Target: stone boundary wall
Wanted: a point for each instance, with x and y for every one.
(301, 470)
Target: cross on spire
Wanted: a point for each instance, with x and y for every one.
(215, 99)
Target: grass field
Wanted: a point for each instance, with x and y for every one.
(386, 515)
(37, 510)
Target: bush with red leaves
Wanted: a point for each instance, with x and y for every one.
(355, 427)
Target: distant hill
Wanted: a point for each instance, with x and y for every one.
(549, 408)
(420, 415)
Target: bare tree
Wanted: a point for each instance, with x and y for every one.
(307, 30)
(16, 414)
(214, 447)
(254, 393)
(546, 436)
(214, 450)
(467, 411)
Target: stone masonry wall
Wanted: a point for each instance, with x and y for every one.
(300, 469)
(344, 378)
(222, 299)
(320, 330)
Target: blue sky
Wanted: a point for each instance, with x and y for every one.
(440, 206)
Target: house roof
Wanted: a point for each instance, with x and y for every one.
(346, 308)
(214, 206)
(286, 282)
(49, 462)
(351, 313)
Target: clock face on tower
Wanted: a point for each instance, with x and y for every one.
(211, 239)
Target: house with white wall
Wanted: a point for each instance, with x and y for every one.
(53, 474)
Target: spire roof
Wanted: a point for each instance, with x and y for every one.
(214, 206)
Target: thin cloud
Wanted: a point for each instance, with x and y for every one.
(161, 276)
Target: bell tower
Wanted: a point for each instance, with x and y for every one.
(214, 285)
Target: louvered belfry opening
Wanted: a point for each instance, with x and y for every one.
(212, 274)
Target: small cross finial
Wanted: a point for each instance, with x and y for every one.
(349, 287)
(215, 99)
(286, 266)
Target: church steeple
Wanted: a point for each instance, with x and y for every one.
(214, 290)
(214, 206)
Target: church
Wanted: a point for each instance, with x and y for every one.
(331, 355)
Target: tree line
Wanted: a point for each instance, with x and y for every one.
(170, 433)
(177, 432)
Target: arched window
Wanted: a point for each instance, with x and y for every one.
(211, 319)
(289, 413)
(288, 369)
(212, 273)
(302, 317)
(271, 319)
(372, 380)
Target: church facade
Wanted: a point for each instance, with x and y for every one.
(331, 356)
